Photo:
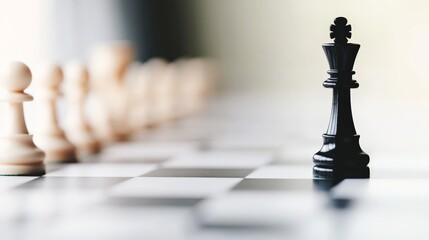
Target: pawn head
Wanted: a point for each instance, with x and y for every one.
(15, 77)
(111, 59)
(76, 74)
(49, 76)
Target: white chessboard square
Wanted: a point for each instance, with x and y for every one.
(383, 188)
(146, 151)
(41, 204)
(250, 208)
(282, 172)
(351, 188)
(250, 142)
(173, 187)
(174, 134)
(299, 151)
(221, 159)
(102, 170)
(8, 182)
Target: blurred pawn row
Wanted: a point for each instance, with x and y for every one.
(111, 98)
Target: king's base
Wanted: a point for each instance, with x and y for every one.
(340, 157)
(339, 173)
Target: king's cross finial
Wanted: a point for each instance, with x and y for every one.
(340, 30)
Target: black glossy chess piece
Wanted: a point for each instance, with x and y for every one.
(341, 156)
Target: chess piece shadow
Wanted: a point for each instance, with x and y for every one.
(325, 185)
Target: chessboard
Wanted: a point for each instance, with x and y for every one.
(237, 170)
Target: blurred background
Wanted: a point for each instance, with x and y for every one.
(269, 48)
(261, 45)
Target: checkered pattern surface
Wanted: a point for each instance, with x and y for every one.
(214, 176)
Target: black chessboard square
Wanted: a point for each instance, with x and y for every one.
(275, 185)
(72, 183)
(199, 172)
(152, 201)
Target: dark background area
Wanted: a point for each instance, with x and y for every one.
(161, 28)
(156, 28)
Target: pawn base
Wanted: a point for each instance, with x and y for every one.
(19, 156)
(22, 170)
(88, 149)
(56, 147)
(60, 157)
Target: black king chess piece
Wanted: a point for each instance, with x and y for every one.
(341, 156)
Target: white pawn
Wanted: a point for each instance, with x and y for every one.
(166, 94)
(77, 129)
(18, 154)
(136, 83)
(108, 64)
(155, 69)
(48, 135)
